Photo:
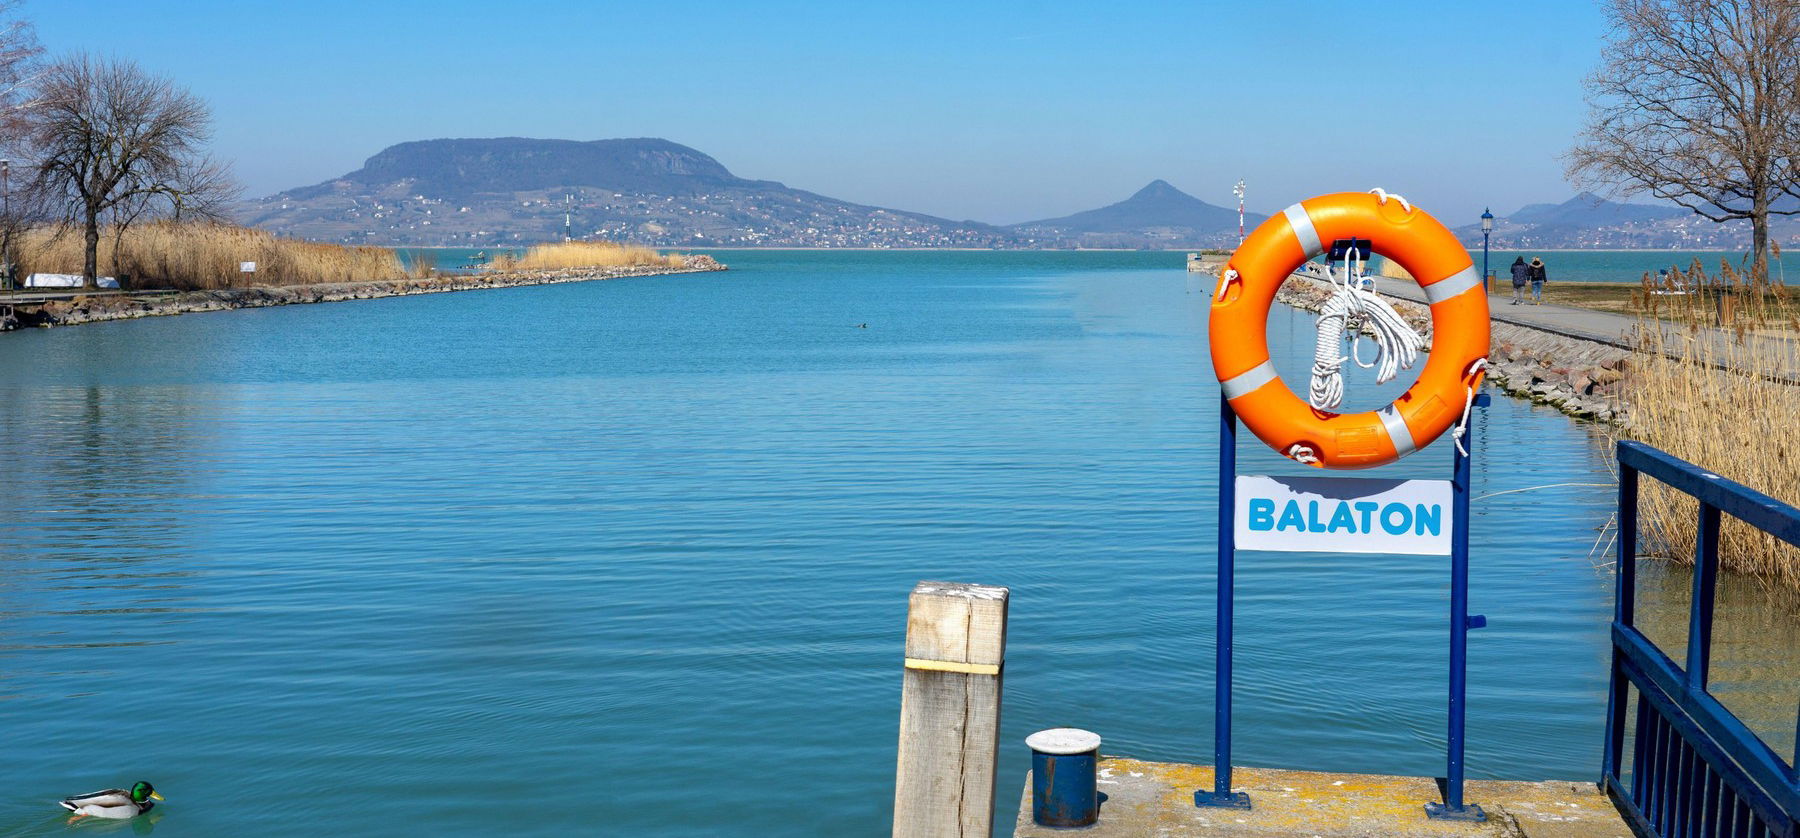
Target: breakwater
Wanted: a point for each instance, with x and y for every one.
(1583, 378)
(80, 309)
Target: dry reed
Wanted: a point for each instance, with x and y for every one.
(207, 257)
(1733, 299)
(564, 255)
(1729, 405)
(1392, 269)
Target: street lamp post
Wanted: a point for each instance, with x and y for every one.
(1487, 227)
(1238, 190)
(6, 266)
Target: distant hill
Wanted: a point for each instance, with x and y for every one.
(1158, 215)
(459, 168)
(1588, 220)
(515, 190)
(482, 192)
(1590, 210)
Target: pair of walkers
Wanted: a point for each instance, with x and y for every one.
(1533, 273)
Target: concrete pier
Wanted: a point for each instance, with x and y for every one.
(1157, 799)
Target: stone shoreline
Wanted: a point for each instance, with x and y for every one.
(96, 309)
(1582, 378)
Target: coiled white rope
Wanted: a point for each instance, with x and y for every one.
(1231, 275)
(1462, 425)
(1302, 454)
(1353, 304)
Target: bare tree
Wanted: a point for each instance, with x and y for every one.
(19, 66)
(1698, 102)
(111, 143)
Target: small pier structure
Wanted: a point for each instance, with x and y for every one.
(1157, 798)
(1204, 262)
(1674, 760)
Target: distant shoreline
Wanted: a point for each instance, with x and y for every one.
(1616, 250)
(80, 309)
(748, 249)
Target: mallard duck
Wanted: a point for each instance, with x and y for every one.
(118, 804)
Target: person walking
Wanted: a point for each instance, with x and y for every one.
(1521, 273)
(1538, 277)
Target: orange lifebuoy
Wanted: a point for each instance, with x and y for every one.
(1277, 248)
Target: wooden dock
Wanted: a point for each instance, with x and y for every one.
(1157, 799)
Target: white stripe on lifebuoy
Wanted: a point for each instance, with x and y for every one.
(1452, 285)
(1396, 430)
(1304, 230)
(1248, 380)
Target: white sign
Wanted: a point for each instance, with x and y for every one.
(247, 267)
(1343, 515)
(67, 281)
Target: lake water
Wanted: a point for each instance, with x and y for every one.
(1631, 265)
(1564, 265)
(631, 557)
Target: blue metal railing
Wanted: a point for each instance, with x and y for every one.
(1696, 771)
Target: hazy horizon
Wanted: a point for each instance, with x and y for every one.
(997, 114)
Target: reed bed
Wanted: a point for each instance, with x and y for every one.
(193, 257)
(1731, 299)
(565, 255)
(1730, 406)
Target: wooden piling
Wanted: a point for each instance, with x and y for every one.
(950, 710)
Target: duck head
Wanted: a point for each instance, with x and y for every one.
(141, 791)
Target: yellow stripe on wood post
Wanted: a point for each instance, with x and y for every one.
(950, 710)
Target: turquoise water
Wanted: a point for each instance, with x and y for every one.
(1631, 265)
(631, 557)
(1565, 265)
(453, 258)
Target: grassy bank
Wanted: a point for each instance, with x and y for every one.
(193, 257)
(564, 255)
(1691, 296)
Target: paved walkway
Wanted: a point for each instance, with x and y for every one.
(1599, 326)
(1583, 323)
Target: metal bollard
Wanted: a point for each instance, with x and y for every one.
(1064, 765)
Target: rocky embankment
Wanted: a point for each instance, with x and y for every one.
(1582, 378)
(93, 309)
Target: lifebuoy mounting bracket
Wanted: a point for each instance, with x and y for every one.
(1340, 249)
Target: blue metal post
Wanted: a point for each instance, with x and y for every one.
(1624, 614)
(1221, 795)
(1706, 585)
(1453, 807)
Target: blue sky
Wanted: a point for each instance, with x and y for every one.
(1000, 112)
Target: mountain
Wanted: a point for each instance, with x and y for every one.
(459, 168)
(484, 192)
(1587, 220)
(1158, 215)
(1590, 210)
(514, 190)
